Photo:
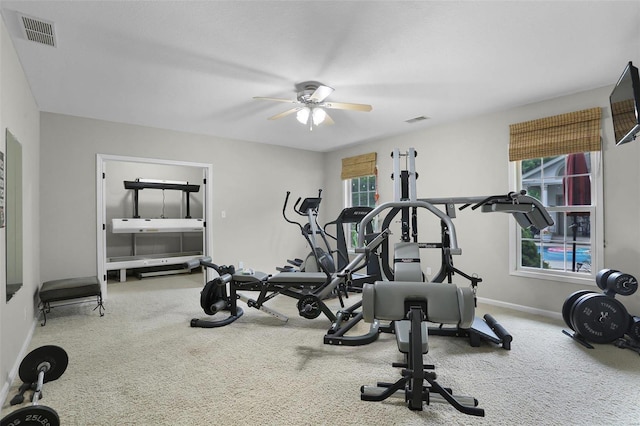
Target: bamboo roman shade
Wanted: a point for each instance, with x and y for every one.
(360, 165)
(577, 131)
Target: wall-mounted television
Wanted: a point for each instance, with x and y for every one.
(625, 105)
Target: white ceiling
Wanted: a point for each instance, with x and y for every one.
(196, 66)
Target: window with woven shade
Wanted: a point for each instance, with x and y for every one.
(359, 174)
(557, 160)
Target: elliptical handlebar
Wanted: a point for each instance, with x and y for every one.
(284, 210)
(295, 206)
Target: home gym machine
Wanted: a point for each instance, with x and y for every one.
(42, 365)
(601, 318)
(526, 210)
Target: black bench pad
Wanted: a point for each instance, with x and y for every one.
(69, 288)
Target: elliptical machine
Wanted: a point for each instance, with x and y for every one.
(319, 259)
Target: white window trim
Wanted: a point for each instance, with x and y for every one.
(346, 202)
(597, 232)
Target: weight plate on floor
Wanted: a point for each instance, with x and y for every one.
(599, 318)
(634, 328)
(601, 278)
(622, 284)
(206, 296)
(36, 415)
(55, 356)
(568, 304)
(309, 306)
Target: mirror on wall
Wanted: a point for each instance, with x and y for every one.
(12, 197)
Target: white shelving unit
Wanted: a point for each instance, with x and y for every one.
(147, 227)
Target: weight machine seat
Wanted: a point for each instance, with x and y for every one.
(67, 289)
(445, 304)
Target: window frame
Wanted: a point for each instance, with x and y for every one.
(597, 231)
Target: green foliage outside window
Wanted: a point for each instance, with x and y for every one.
(530, 253)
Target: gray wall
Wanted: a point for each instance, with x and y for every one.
(470, 157)
(19, 113)
(249, 184)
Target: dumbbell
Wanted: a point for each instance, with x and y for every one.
(613, 282)
(44, 364)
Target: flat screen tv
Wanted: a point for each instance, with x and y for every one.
(625, 105)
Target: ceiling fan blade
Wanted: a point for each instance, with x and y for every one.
(328, 120)
(349, 106)
(284, 114)
(262, 98)
(321, 93)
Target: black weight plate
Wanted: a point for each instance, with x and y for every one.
(599, 318)
(601, 278)
(634, 328)
(39, 415)
(622, 284)
(54, 355)
(309, 306)
(206, 296)
(568, 304)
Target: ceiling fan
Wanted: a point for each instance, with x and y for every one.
(310, 104)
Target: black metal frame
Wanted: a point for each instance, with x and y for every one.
(45, 307)
(301, 291)
(137, 186)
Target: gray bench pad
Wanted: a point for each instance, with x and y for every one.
(299, 278)
(283, 278)
(69, 288)
(402, 329)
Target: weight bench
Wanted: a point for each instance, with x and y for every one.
(306, 287)
(68, 289)
(410, 305)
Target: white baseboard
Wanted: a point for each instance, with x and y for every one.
(13, 373)
(521, 308)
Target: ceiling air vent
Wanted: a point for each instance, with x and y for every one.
(38, 30)
(416, 119)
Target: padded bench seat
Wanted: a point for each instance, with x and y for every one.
(310, 279)
(67, 289)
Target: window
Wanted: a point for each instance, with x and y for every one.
(359, 177)
(359, 191)
(363, 191)
(558, 161)
(568, 188)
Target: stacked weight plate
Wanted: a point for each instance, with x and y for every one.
(599, 317)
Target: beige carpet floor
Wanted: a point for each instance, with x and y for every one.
(141, 364)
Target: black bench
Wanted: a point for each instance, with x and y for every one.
(67, 289)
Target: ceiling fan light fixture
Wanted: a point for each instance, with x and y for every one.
(318, 115)
(303, 115)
